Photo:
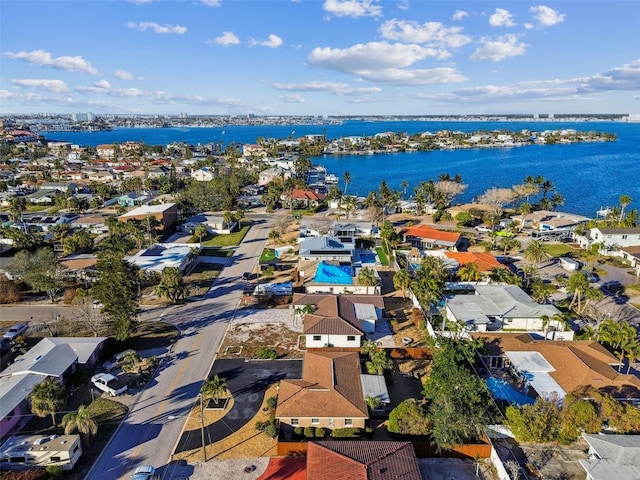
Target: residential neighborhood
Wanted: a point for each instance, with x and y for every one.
(187, 306)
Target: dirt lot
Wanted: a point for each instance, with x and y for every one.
(246, 339)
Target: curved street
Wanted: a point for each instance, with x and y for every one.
(155, 421)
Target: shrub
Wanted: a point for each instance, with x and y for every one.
(54, 472)
(272, 402)
(9, 291)
(409, 418)
(260, 426)
(309, 432)
(394, 325)
(319, 432)
(271, 431)
(298, 431)
(267, 353)
(69, 295)
(347, 432)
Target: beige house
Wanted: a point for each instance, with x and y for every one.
(329, 394)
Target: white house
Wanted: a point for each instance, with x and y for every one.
(204, 174)
(495, 307)
(158, 257)
(214, 223)
(327, 249)
(338, 320)
(546, 220)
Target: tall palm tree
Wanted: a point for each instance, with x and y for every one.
(82, 421)
(48, 397)
(624, 200)
(469, 273)
(378, 362)
(367, 277)
(535, 252)
(402, 280)
(346, 178)
(200, 231)
(508, 244)
(213, 388)
(404, 185)
(578, 284)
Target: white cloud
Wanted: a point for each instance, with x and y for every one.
(430, 33)
(368, 56)
(226, 39)
(501, 18)
(211, 3)
(124, 75)
(546, 16)
(56, 86)
(42, 58)
(331, 87)
(353, 8)
(503, 47)
(291, 98)
(140, 2)
(102, 84)
(626, 77)
(157, 28)
(273, 42)
(459, 15)
(399, 76)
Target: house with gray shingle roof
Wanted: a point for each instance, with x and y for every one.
(612, 457)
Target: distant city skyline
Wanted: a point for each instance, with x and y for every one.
(324, 57)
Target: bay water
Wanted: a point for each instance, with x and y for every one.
(588, 175)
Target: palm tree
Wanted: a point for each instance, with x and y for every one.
(508, 244)
(469, 273)
(388, 234)
(624, 200)
(82, 421)
(349, 204)
(378, 362)
(200, 231)
(368, 347)
(367, 277)
(48, 397)
(402, 280)
(346, 178)
(545, 324)
(404, 185)
(578, 284)
(227, 218)
(214, 387)
(17, 207)
(535, 252)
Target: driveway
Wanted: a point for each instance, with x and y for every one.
(247, 381)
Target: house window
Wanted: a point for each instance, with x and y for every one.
(624, 237)
(294, 421)
(55, 459)
(348, 422)
(315, 421)
(317, 338)
(351, 338)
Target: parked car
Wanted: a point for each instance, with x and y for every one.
(593, 278)
(16, 331)
(145, 472)
(484, 228)
(109, 383)
(117, 360)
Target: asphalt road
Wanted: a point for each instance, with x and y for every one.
(155, 421)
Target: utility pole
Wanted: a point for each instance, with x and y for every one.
(204, 447)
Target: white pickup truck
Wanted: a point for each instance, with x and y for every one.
(109, 383)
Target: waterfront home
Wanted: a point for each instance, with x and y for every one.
(270, 174)
(362, 460)
(610, 240)
(612, 456)
(632, 255)
(338, 320)
(497, 307)
(329, 395)
(556, 367)
(546, 220)
(166, 214)
(425, 237)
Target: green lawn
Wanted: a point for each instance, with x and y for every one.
(382, 255)
(153, 335)
(268, 255)
(557, 249)
(228, 239)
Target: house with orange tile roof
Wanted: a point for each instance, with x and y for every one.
(362, 460)
(339, 320)
(425, 237)
(560, 367)
(483, 260)
(329, 394)
(302, 199)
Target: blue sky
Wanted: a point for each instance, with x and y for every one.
(319, 57)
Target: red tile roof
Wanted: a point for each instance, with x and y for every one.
(297, 194)
(285, 468)
(362, 460)
(485, 261)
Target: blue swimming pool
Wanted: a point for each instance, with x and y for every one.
(503, 391)
(368, 257)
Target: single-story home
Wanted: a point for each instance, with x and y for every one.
(214, 223)
(612, 457)
(328, 249)
(158, 257)
(165, 213)
(427, 238)
(547, 220)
